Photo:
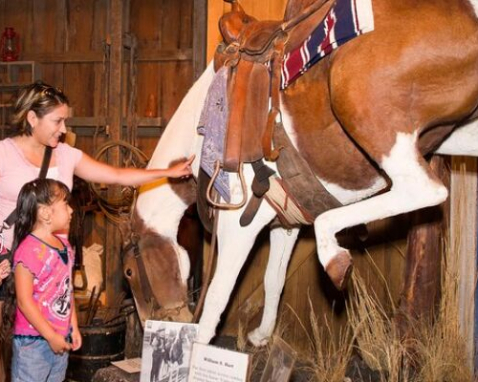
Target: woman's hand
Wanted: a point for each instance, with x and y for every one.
(5, 269)
(182, 169)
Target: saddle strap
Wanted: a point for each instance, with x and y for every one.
(269, 153)
(146, 288)
(260, 185)
(205, 211)
(299, 180)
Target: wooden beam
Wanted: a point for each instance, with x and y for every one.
(199, 37)
(103, 121)
(91, 57)
(113, 268)
(463, 243)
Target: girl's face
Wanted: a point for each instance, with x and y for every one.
(49, 129)
(60, 215)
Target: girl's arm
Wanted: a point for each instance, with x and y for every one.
(92, 170)
(75, 333)
(29, 308)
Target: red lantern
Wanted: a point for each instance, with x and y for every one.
(10, 45)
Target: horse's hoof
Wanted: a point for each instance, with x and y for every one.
(256, 339)
(339, 269)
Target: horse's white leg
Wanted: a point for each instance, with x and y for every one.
(282, 243)
(413, 187)
(234, 244)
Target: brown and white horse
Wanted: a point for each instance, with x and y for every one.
(363, 118)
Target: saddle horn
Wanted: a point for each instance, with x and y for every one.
(236, 7)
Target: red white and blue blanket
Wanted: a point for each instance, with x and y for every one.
(344, 21)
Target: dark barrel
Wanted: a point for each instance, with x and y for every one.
(102, 343)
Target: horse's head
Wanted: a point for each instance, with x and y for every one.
(156, 268)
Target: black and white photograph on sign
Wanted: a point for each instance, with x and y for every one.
(280, 362)
(166, 351)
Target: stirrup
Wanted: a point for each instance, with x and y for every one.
(211, 201)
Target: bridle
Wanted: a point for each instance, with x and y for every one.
(156, 310)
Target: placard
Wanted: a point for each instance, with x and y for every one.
(130, 365)
(167, 350)
(280, 362)
(210, 363)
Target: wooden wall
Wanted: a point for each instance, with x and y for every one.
(72, 42)
(111, 57)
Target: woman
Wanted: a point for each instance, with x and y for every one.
(38, 121)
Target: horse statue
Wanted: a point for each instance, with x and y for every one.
(363, 118)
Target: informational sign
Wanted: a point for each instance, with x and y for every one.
(213, 364)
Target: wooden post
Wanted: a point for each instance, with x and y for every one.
(114, 279)
(199, 37)
(463, 228)
(421, 292)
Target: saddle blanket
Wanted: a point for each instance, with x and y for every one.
(212, 124)
(344, 21)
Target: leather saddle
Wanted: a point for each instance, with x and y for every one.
(253, 52)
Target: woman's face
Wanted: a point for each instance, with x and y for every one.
(49, 129)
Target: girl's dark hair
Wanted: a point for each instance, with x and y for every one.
(31, 196)
(38, 97)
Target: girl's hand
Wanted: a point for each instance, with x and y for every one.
(58, 344)
(5, 269)
(182, 169)
(76, 339)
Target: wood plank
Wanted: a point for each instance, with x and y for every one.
(171, 16)
(92, 56)
(463, 243)
(199, 37)
(114, 280)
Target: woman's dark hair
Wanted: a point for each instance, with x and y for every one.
(31, 196)
(38, 97)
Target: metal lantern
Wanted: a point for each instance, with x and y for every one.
(10, 45)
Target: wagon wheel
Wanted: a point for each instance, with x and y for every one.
(115, 208)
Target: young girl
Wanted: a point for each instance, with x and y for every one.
(45, 325)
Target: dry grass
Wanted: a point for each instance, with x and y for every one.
(330, 357)
(441, 347)
(437, 351)
(376, 334)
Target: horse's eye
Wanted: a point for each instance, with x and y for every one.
(129, 272)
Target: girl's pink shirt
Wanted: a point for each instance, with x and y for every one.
(52, 285)
(16, 170)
